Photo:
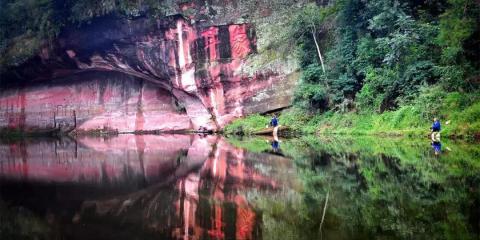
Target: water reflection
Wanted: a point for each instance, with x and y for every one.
(109, 160)
(437, 147)
(172, 186)
(209, 187)
(275, 145)
(209, 202)
(377, 188)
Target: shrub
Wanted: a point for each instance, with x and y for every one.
(248, 125)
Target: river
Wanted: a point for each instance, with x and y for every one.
(212, 187)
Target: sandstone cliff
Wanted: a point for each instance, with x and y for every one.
(203, 65)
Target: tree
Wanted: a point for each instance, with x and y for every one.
(457, 25)
(350, 24)
(311, 22)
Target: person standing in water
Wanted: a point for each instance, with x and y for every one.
(436, 127)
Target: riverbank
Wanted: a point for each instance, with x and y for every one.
(459, 114)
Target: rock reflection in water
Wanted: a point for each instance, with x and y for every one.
(193, 187)
(207, 203)
(93, 160)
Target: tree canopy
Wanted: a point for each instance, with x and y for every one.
(381, 54)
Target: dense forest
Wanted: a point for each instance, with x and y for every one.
(385, 66)
(381, 54)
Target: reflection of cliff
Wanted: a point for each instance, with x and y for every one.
(124, 158)
(209, 203)
(213, 203)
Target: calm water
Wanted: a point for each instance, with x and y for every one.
(210, 187)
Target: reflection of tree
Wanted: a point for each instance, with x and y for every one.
(389, 188)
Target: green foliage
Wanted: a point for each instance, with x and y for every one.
(382, 53)
(305, 25)
(296, 119)
(24, 26)
(311, 94)
(396, 64)
(300, 121)
(308, 25)
(88, 9)
(414, 119)
(309, 21)
(28, 25)
(82, 11)
(457, 25)
(246, 126)
(377, 86)
(461, 110)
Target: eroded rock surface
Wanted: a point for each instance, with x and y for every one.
(185, 71)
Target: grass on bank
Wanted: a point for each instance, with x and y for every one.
(461, 110)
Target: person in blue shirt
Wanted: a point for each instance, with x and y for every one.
(274, 121)
(436, 127)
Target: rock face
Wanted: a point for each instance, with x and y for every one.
(180, 72)
(110, 101)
